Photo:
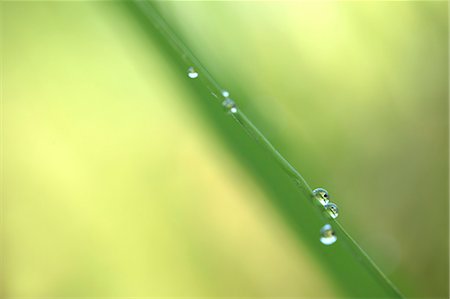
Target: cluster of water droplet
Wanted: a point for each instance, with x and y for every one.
(228, 103)
(322, 197)
(327, 235)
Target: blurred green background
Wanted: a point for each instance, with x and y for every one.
(122, 177)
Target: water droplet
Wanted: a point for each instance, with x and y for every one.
(322, 196)
(192, 73)
(327, 236)
(225, 93)
(332, 210)
(229, 105)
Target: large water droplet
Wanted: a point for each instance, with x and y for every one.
(327, 236)
(192, 73)
(229, 105)
(322, 196)
(225, 93)
(332, 210)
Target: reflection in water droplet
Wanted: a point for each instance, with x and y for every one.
(229, 105)
(332, 210)
(327, 236)
(225, 93)
(321, 195)
(192, 73)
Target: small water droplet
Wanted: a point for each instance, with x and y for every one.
(225, 93)
(229, 105)
(332, 210)
(327, 235)
(322, 196)
(192, 73)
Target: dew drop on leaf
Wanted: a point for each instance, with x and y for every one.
(322, 196)
(332, 210)
(192, 73)
(327, 235)
(229, 105)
